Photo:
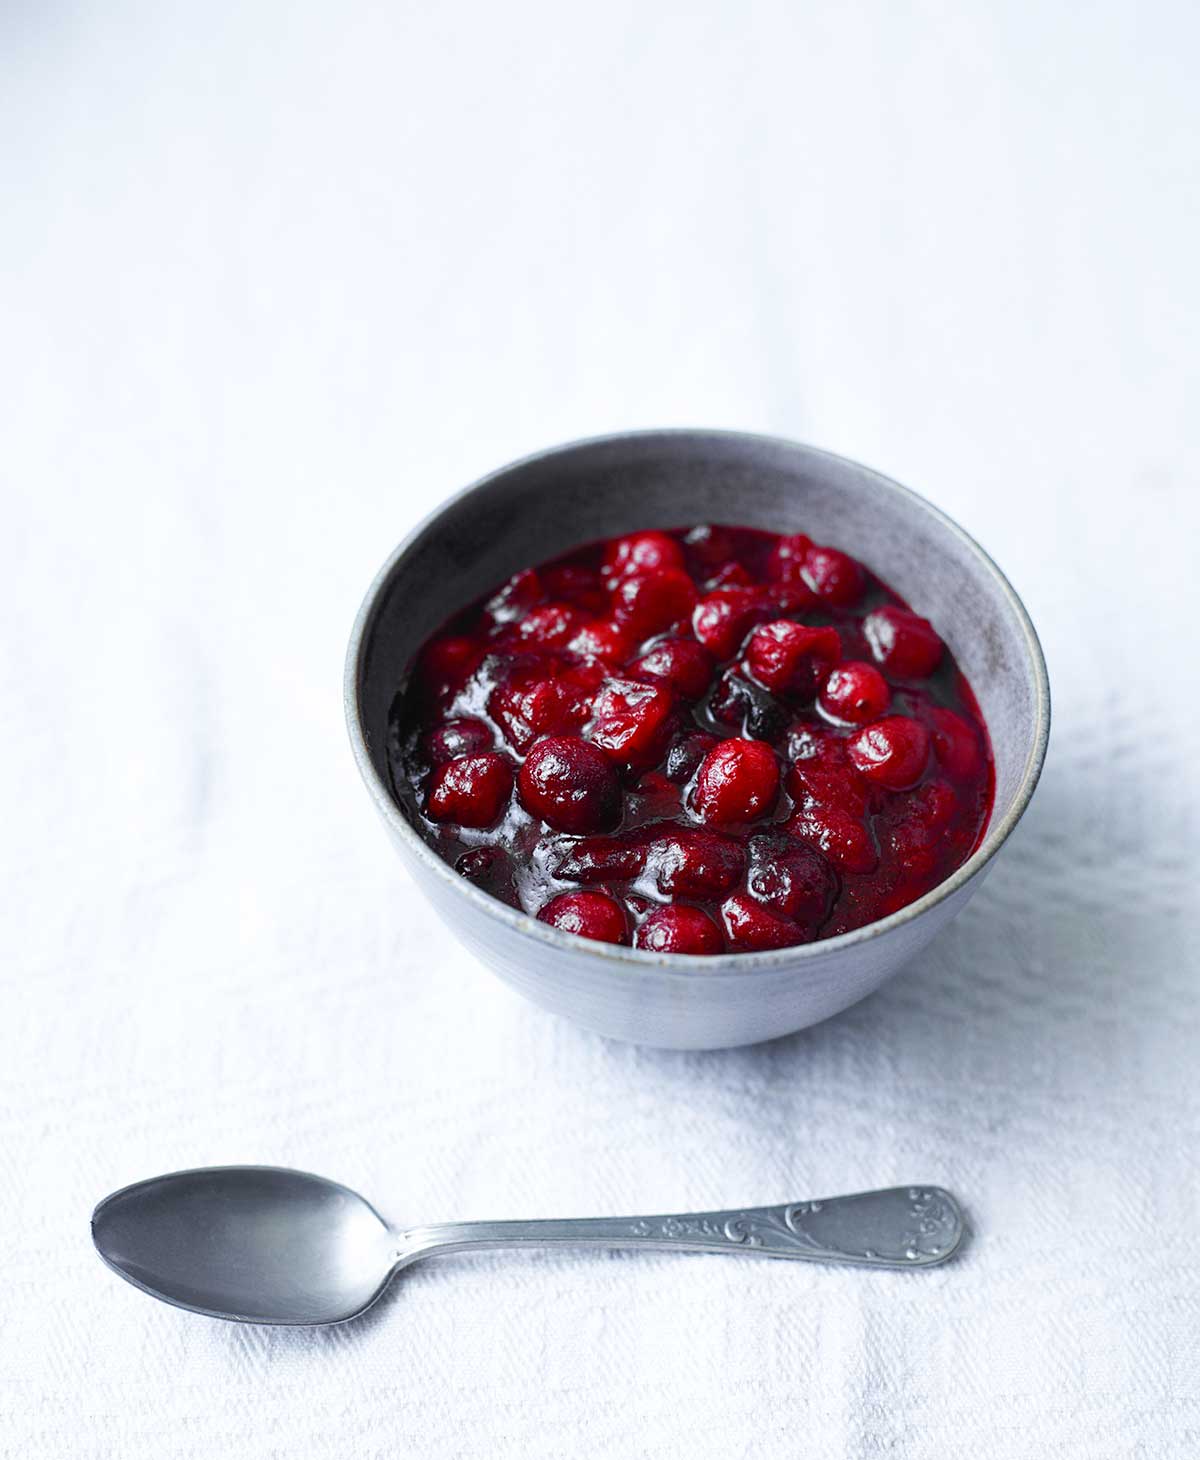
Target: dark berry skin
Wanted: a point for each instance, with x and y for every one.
(470, 791)
(570, 784)
(707, 740)
(679, 929)
(752, 928)
(641, 552)
(681, 664)
(791, 659)
(832, 575)
(588, 915)
(464, 736)
(854, 694)
(902, 643)
(893, 751)
(652, 602)
(738, 781)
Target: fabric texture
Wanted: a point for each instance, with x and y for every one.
(276, 280)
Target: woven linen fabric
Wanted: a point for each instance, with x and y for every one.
(277, 279)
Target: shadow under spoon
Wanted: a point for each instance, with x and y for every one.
(262, 1244)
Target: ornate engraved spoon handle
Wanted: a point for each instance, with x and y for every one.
(905, 1226)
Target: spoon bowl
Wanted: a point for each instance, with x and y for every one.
(257, 1243)
(261, 1244)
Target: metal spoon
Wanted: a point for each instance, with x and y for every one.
(261, 1244)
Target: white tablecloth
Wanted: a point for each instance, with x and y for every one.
(279, 277)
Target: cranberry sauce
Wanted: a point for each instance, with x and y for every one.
(704, 741)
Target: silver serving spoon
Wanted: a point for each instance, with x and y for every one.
(261, 1244)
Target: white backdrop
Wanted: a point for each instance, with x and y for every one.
(276, 279)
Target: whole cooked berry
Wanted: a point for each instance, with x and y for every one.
(571, 785)
(833, 576)
(791, 659)
(688, 862)
(738, 781)
(795, 881)
(681, 664)
(603, 859)
(839, 834)
(787, 557)
(641, 552)
(470, 791)
(588, 915)
(551, 626)
(601, 639)
(905, 644)
(679, 929)
(893, 751)
(651, 603)
(855, 693)
(752, 928)
(955, 743)
(631, 722)
(722, 619)
(462, 736)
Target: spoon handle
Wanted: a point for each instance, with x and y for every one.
(905, 1226)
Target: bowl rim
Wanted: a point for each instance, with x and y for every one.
(686, 965)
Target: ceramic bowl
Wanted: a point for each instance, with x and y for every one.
(558, 499)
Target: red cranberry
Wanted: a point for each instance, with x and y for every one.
(855, 693)
(470, 791)
(604, 640)
(599, 858)
(751, 928)
(794, 881)
(833, 576)
(914, 847)
(787, 557)
(722, 619)
(893, 751)
(828, 781)
(630, 721)
(935, 803)
(588, 915)
(571, 785)
(730, 575)
(792, 659)
(524, 711)
(578, 585)
(515, 599)
(463, 736)
(842, 837)
(446, 664)
(906, 645)
(737, 781)
(680, 664)
(955, 743)
(699, 864)
(709, 545)
(652, 602)
(679, 929)
(550, 626)
(641, 552)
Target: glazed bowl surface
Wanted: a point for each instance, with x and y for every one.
(547, 504)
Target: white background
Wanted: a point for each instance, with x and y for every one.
(277, 278)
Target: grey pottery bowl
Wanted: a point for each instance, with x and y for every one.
(548, 503)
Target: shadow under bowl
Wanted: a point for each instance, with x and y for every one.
(549, 503)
